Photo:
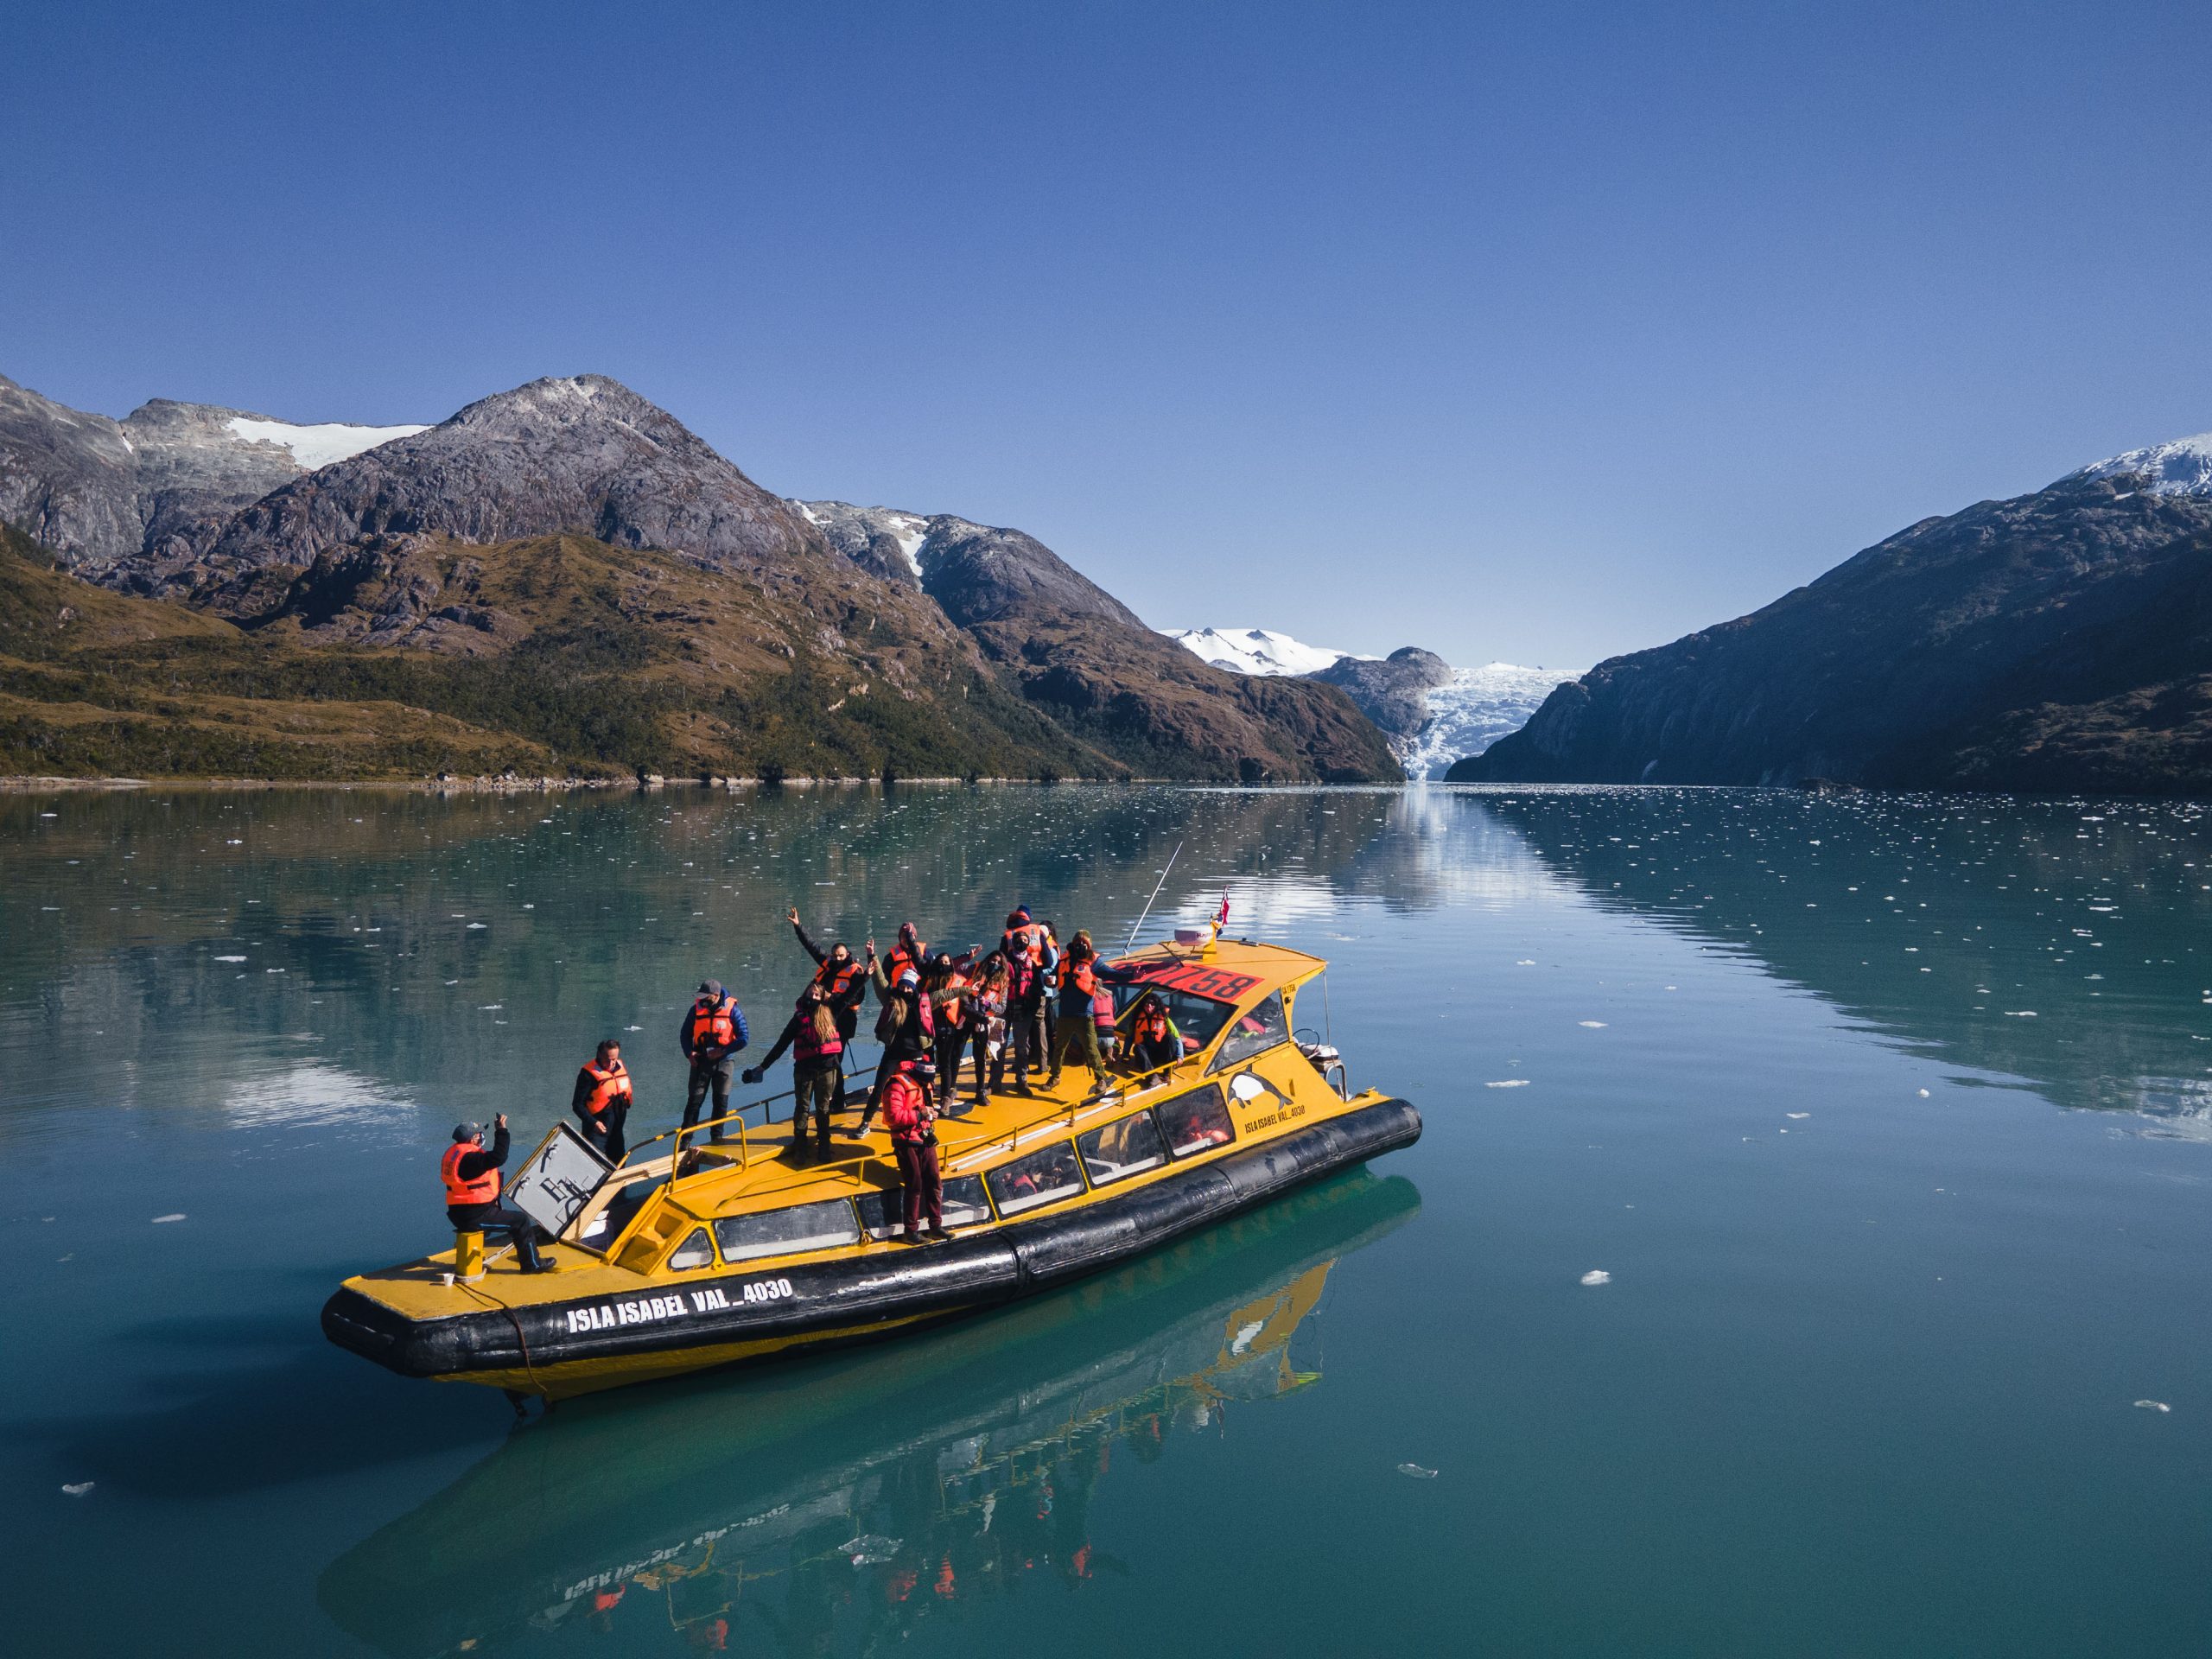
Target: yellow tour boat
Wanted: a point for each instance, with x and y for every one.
(693, 1255)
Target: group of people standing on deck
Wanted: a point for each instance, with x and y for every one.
(1030, 1003)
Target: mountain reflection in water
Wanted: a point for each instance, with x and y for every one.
(2051, 940)
(832, 1503)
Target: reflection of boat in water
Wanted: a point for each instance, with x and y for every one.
(950, 1467)
(685, 1260)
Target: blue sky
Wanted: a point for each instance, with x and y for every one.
(1535, 333)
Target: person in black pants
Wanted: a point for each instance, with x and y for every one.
(712, 1034)
(602, 1099)
(844, 980)
(471, 1175)
(905, 1026)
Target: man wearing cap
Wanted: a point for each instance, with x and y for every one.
(471, 1175)
(712, 1034)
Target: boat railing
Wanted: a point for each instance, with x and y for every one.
(1124, 1091)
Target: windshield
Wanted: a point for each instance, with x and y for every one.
(1198, 1020)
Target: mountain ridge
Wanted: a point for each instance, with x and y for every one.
(421, 544)
(2058, 640)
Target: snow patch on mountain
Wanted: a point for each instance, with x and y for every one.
(317, 446)
(2182, 467)
(1480, 706)
(1256, 651)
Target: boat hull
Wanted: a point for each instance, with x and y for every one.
(560, 1348)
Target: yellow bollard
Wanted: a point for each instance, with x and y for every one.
(468, 1257)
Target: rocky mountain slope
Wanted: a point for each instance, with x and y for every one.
(2056, 641)
(109, 493)
(1079, 653)
(1431, 712)
(689, 620)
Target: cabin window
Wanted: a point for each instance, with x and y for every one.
(884, 1212)
(1115, 1150)
(1260, 1028)
(1195, 1120)
(693, 1252)
(1049, 1172)
(784, 1232)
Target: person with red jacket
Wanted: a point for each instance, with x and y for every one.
(913, 1123)
(906, 1025)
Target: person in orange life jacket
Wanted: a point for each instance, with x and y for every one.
(1153, 1039)
(817, 1061)
(908, 951)
(602, 1100)
(905, 1026)
(1082, 977)
(911, 1118)
(844, 980)
(471, 1175)
(1032, 958)
(987, 1025)
(1074, 1030)
(950, 982)
(712, 1034)
(1109, 1031)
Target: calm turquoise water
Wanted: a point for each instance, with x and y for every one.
(1889, 1118)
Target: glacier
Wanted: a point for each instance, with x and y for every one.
(1479, 706)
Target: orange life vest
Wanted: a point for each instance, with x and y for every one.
(1027, 940)
(901, 959)
(1077, 973)
(836, 982)
(949, 997)
(483, 1190)
(608, 1084)
(711, 1025)
(1152, 1024)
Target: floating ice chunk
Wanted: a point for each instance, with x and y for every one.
(1592, 1024)
(178, 1215)
(1508, 1083)
(2140, 1405)
(79, 1488)
(473, 925)
(2020, 1013)
(633, 1027)
(1795, 1115)
(1416, 1472)
(1596, 1276)
(489, 1008)
(230, 958)
(1923, 1094)
(1526, 962)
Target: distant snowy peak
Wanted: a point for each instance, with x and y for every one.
(1256, 650)
(2182, 467)
(317, 447)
